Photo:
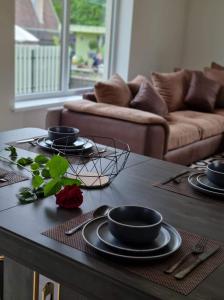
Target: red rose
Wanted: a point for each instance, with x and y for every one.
(69, 197)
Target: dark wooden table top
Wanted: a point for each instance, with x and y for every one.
(21, 227)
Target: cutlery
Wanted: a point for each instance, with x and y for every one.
(99, 212)
(30, 140)
(175, 177)
(2, 180)
(198, 248)
(201, 258)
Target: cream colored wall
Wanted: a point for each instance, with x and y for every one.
(204, 40)
(158, 35)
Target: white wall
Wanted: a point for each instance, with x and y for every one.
(158, 36)
(8, 118)
(204, 40)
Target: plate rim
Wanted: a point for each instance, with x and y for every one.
(134, 257)
(130, 249)
(199, 188)
(64, 146)
(68, 151)
(211, 188)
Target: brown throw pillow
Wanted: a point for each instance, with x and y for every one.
(148, 99)
(218, 76)
(114, 91)
(135, 84)
(202, 93)
(216, 66)
(89, 96)
(172, 88)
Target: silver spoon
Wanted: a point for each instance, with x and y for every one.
(99, 212)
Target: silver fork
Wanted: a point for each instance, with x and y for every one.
(196, 250)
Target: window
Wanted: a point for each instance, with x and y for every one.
(61, 46)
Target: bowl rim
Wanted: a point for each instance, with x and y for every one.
(135, 226)
(76, 130)
(214, 171)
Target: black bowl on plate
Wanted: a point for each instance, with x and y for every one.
(215, 173)
(134, 224)
(62, 135)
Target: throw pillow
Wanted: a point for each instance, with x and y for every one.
(134, 85)
(89, 96)
(114, 91)
(218, 76)
(171, 87)
(148, 99)
(202, 93)
(216, 66)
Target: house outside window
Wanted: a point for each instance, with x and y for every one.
(60, 46)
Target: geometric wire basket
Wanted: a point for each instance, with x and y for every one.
(98, 166)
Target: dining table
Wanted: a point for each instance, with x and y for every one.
(95, 276)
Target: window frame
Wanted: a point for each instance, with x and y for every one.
(110, 23)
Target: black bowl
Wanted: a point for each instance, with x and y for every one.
(62, 135)
(215, 173)
(134, 224)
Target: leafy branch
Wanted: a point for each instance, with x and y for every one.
(48, 175)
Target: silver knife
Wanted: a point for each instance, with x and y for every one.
(201, 258)
(175, 177)
(28, 140)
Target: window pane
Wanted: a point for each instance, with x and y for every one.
(87, 32)
(37, 47)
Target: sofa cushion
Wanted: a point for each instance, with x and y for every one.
(208, 124)
(114, 91)
(171, 86)
(148, 99)
(135, 84)
(218, 76)
(182, 134)
(202, 93)
(216, 66)
(219, 111)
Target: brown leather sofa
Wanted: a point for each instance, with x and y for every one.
(183, 137)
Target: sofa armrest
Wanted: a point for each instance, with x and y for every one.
(115, 112)
(102, 115)
(53, 117)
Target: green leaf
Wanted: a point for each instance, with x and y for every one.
(25, 161)
(52, 187)
(26, 196)
(57, 166)
(40, 193)
(35, 166)
(45, 173)
(69, 181)
(12, 150)
(37, 180)
(41, 159)
(36, 172)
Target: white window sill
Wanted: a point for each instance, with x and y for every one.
(42, 103)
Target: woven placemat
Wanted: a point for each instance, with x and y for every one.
(11, 177)
(150, 271)
(184, 188)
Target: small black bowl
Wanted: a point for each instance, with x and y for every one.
(215, 173)
(134, 224)
(62, 135)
